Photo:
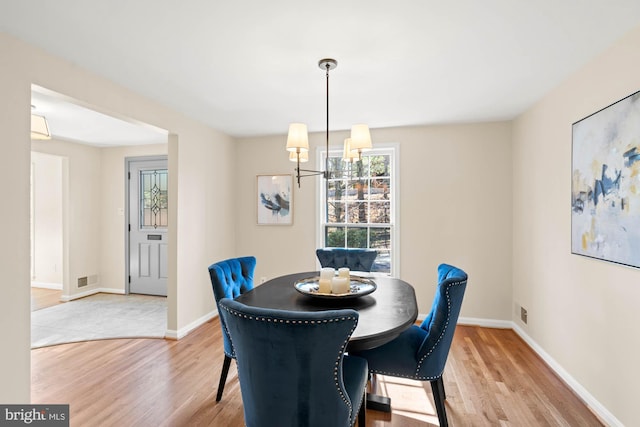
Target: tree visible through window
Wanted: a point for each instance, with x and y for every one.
(360, 205)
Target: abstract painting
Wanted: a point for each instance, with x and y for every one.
(275, 199)
(605, 183)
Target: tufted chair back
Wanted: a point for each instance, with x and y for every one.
(420, 353)
(354, 258)
(231, 278)
(292, 368)
(440, 323)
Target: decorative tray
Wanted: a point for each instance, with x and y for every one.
(360, 286)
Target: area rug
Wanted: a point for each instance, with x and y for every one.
(100, 316)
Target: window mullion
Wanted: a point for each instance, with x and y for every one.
(357, 215)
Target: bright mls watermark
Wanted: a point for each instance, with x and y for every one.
(34, 415)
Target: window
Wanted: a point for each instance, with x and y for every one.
(360, 212)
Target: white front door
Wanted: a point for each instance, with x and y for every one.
(148, 221)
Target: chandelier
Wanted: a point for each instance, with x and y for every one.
(298, 137)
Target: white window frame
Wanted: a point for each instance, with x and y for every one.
(394, 149)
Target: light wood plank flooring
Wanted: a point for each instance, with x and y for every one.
(492, 379)
(43, 298)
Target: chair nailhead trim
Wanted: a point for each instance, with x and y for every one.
(417, 376)
(411, 377)
(340, 353)
(446, 325)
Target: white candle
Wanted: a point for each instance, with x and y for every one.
(340, 285)
(344, 272)
(327, 273)
(324, 286)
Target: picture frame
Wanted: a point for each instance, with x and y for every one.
(605, 183)
(274, 199)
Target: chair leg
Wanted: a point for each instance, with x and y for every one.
(375, 401)
(362, 420)
(437, 386)
(441, 385)
(223, 376)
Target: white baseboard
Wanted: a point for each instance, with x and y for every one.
(486, 323)
(183, 332)
(67, 298)
(112, 291)
(473, 321)
(596, 407)
(46, 285)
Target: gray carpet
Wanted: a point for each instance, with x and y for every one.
(100, 316)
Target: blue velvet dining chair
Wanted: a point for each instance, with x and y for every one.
(420, 353)
(356, 259)
(292, 367)
(230, 278)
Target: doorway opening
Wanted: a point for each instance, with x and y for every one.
(86, 245)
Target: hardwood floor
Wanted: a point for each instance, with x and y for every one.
(492, 378)
(43, 298)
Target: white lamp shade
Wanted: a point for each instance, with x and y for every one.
(298, 139)
(304, 156)
(39, 128)
(348, 155)
(360, 138)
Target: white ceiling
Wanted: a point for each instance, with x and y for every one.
(68, 120)
(249, 67)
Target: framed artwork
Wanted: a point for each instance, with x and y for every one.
(275, 198)
(605, 183)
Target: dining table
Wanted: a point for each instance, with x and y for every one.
(384, 312)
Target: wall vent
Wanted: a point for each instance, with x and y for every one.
(82, 281)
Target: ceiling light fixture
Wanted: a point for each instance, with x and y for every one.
(348, 155)
(298, 137)
(39, 127)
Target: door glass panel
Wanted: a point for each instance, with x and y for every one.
(153, 199)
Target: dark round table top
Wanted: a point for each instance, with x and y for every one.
(383, 314)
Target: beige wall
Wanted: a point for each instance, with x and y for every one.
(278, 249)
(582, 311)
(201, 163)
(46, 243)
(455, 207)
(82, 211)
(15, 166)
(205, 183)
